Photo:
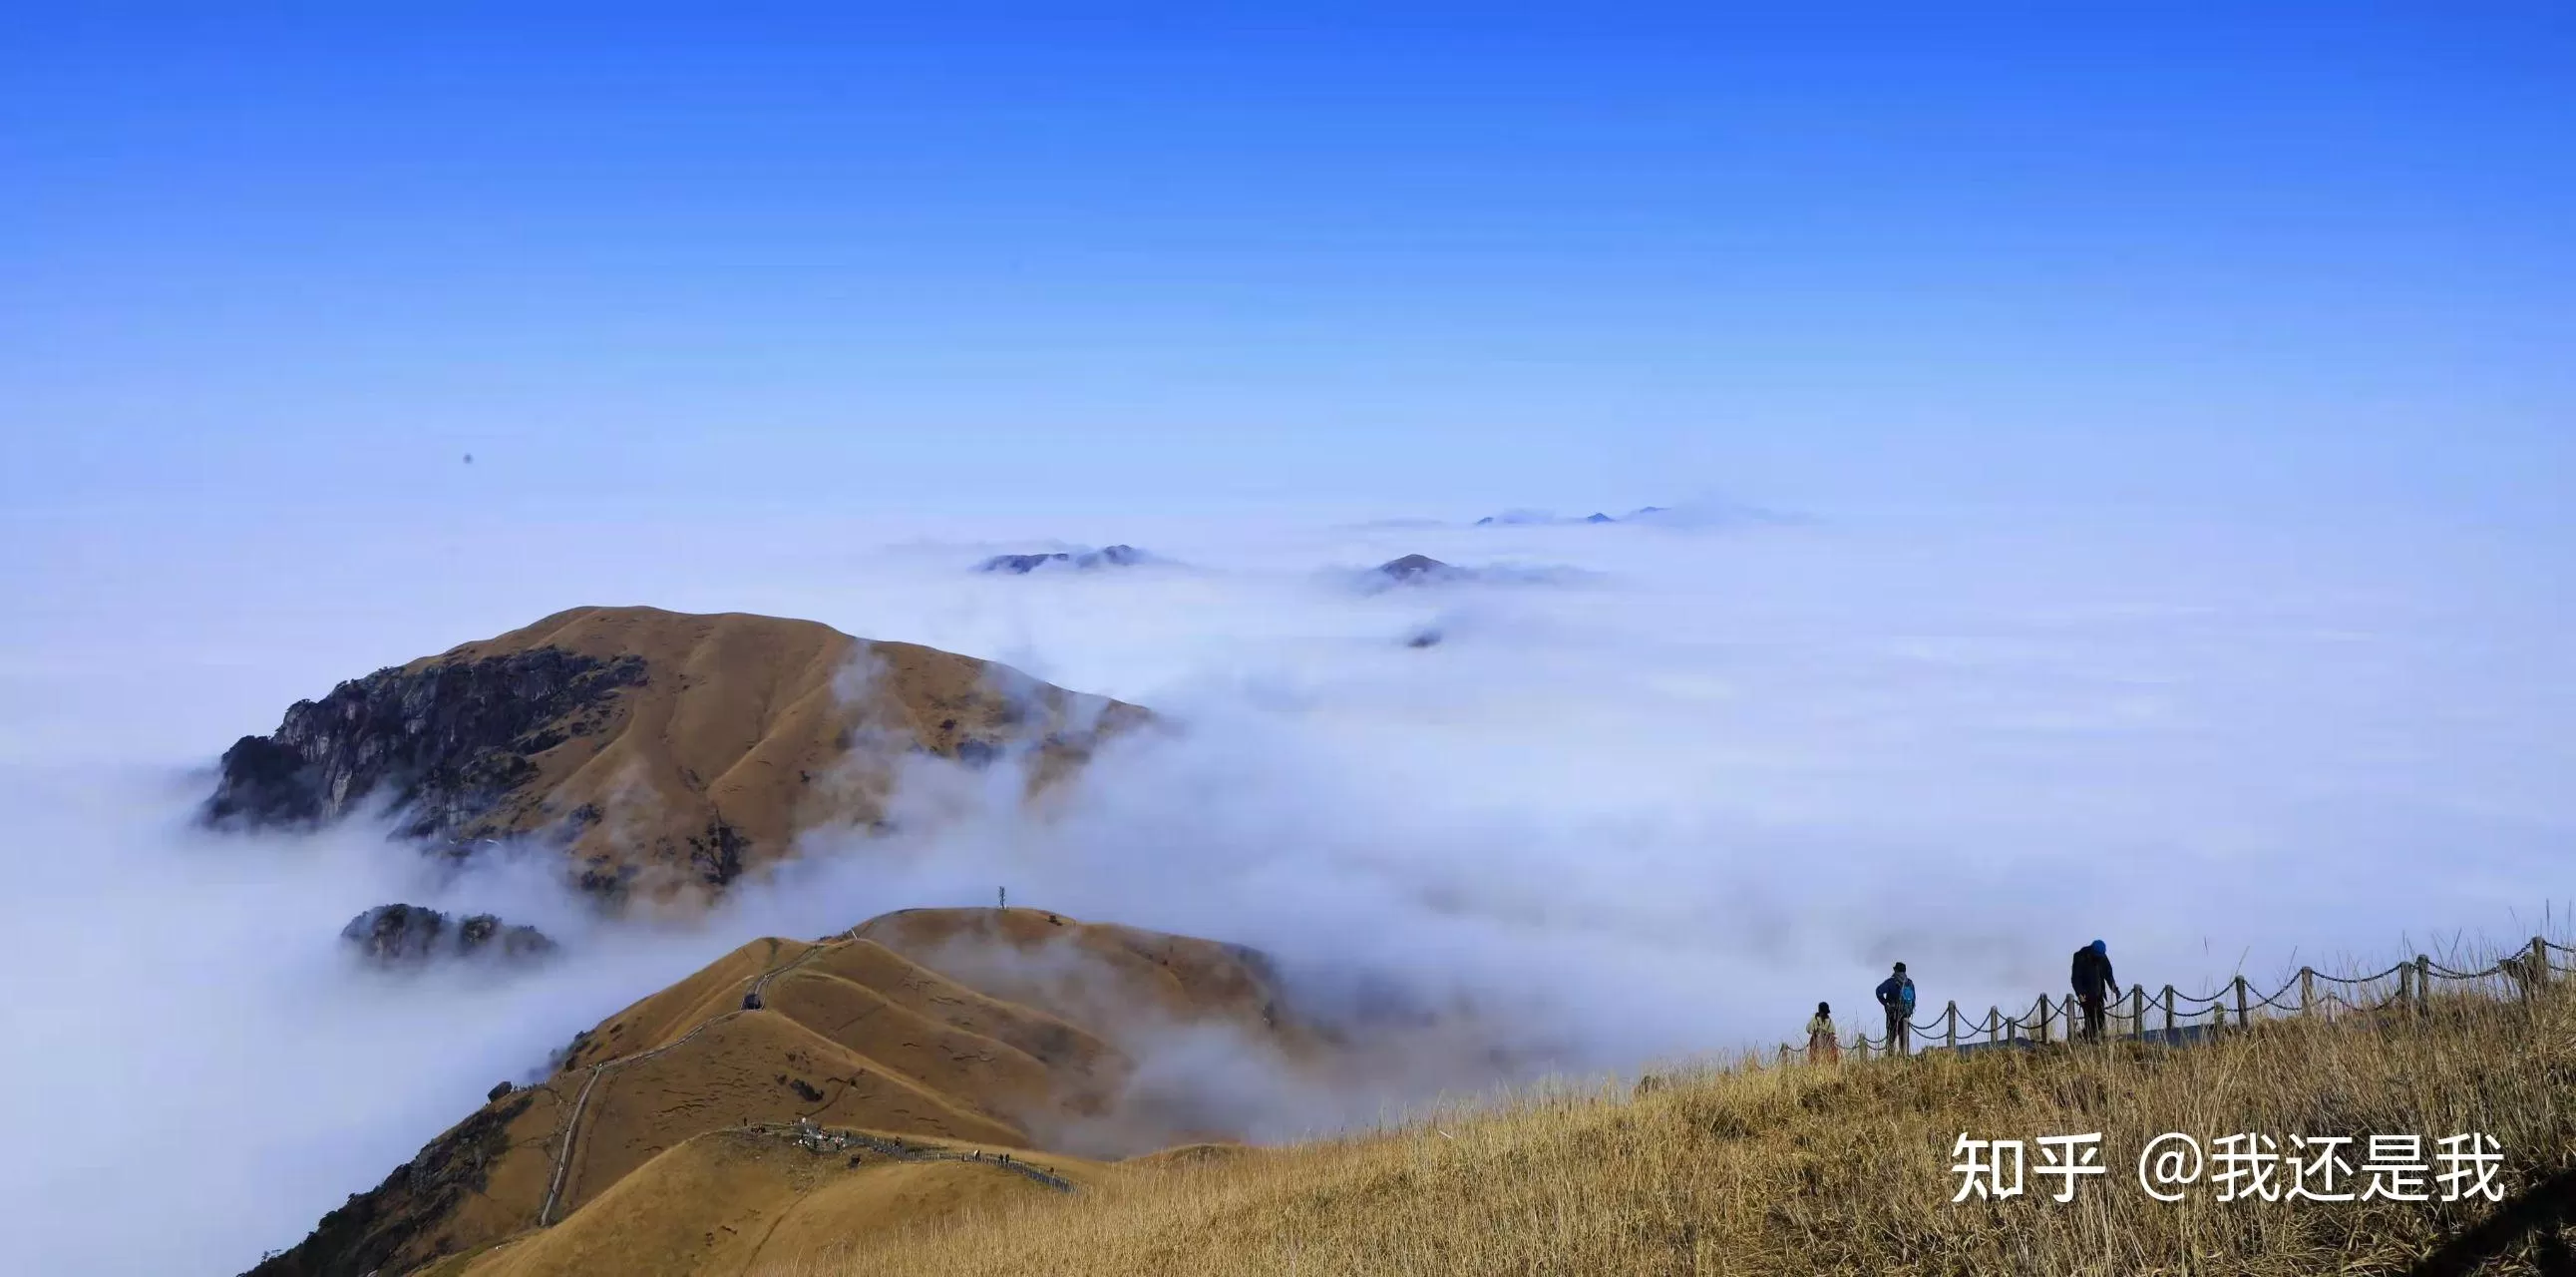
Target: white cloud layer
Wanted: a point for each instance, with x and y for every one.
(1657, 791)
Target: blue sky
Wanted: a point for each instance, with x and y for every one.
(1013, 258)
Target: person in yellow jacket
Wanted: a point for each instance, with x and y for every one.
(1821, 1047)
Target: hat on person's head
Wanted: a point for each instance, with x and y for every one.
(1900, 966)
(2099, 947)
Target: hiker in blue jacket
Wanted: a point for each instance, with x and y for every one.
(1896, 995)
(2092, 977)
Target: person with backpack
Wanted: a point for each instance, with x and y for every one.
(2092, 979)
(1821, 1047)
(1896, 997)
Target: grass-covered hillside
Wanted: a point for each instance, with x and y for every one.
(1846, 1168)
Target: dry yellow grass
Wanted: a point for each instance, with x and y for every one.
(765, 727)
(1846, 1169)
(718, 1201)
(1012, 1029)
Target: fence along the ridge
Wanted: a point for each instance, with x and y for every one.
(2176, 1018)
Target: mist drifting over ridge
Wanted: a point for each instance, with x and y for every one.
(1663, 805)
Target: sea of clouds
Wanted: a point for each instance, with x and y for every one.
(1656, 791)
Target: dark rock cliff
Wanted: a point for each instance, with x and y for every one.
(409, 935)
(442, 745)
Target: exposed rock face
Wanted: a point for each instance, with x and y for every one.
(1116, 556)
(444, 743)
(409, 935)
(664, 754)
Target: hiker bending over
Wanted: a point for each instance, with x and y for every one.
(1896, 997)
(1821, 1047)
(2092, 980)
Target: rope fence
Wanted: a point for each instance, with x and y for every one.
(2187, 1018)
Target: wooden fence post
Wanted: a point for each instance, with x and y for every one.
(2423, 984)
(2169, 999)
(1950, 1026)
(2307, 990)
(2138, 1011)
(1994, 1025)
(2241, 1018)
(1784, 1055)
(2539, 964)
(1860, 1046)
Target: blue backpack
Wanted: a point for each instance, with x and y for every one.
(1904, 992)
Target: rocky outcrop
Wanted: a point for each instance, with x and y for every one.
(662, 755)
(1116, 556)
(409, 935)
(443, 744)
(400, 1216)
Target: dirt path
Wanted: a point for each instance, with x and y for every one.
(581, 1102)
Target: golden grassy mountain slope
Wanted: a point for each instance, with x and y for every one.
(971, 1028)
(722, 1201)
(1846, 1168)
(668, 750)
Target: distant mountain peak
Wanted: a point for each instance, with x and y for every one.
(1416, 567)
(1114, 556)
(1542, 518)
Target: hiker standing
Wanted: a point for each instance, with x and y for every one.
(2092, 979)
(1821, 1047)
(1896, 997)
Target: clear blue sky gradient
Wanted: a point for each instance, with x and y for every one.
(788, 254)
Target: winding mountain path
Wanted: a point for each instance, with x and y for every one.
(581, 1102)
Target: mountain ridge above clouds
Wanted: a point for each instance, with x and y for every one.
(1112, 556)
(669, 1133)
(666, 754)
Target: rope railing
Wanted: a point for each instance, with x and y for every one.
(2355, 979)
(2448, 974)
(2191, 1017)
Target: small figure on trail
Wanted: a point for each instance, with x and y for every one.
(1821, 1047)
(1896, 997)
(2092, 978)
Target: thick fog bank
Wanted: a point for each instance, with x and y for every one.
(1655, 790)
